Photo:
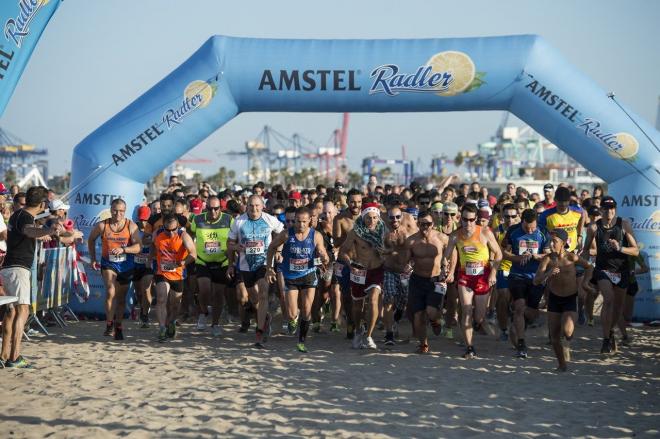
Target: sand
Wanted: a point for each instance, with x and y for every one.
(86, 385)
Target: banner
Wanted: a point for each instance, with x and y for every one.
(522, 74)
(23, 22)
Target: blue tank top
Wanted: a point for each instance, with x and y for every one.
(298, 256)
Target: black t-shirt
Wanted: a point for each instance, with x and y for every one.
(20, 248)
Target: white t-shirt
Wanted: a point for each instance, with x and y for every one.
(255, 236)
(3, 227)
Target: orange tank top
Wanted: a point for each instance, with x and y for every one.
(170, 251)
(111, 239)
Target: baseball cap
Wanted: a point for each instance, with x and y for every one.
(143, 213)
(436, 207)
(58, 204)
(607, 202)
(4, 190)
(450, 207)
(295, 195)
(561, 234)
(196, 206)
(482, 203)
(594, 211)
(484, 213)
(548, 187)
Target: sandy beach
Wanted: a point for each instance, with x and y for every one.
(85, 385)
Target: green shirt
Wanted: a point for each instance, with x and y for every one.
(211, 238)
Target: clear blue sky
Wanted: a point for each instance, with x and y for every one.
(96, 57)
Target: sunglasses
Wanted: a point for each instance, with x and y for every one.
(171, 230)
(449, 214)
(395, 217)
(425, 223)
(469, 220)
(215, 208)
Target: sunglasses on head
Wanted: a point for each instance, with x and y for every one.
(470, 220)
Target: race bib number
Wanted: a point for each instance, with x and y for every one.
(254, 248)
(117, 258)
(141, 259)
(528, 247)
(317, 262)
(298, 264)
(212, 248)
(168, 266)
(338, 267)
(359, 276)
(615, 278)
(474, 268)
(405, 279)
(440, 288)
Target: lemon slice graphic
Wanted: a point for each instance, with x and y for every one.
(201, 88)
(630, 146)
(459, 65)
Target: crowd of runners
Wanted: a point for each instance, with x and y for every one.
(453, 260)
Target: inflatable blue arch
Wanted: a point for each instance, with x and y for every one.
(521, 74)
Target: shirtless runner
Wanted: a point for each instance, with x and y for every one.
(558, 269)
(428, 286)
(362, 253)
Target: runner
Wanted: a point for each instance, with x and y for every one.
(558, 269)
(249, 236)
(428, 286)
(211, 229)
(510, 218)
(143, 272)
(524, 245)
(120, 240)
(615, 242)
(325, 293)
(362, 252)
(479, 257)
(397, 274)
(341, 226)
(172, 249)
(300, 245)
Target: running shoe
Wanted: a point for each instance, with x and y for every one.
(144, 324)
(504, 335)
(436, 327)
(334, 327)
(490, 316)
(201, 322)
(108, 330)
(260, 340)
(171, 330)
(162, 334)
(389, 339)
(216, 330)
(470, 353)
(19, 363)
(613, 343)
(590, 322)
(357, 341)
(522, 351)
(292, 326)
(422, 349)
(119, 334)
(316, 327)
(301, 348)
(245, 325)
(448, 332)
(369, 343)
(607, 347)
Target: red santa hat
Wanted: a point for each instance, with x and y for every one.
(370, 207)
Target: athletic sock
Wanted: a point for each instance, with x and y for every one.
(303, 327)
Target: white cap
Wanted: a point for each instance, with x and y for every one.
(58, 204)
(429, 186)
